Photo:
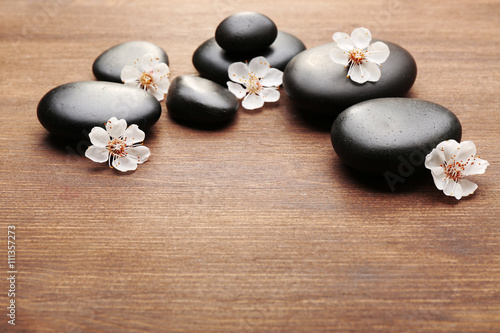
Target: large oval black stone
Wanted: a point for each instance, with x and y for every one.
(392, 135)
(73, 109)
(246, 32)
(108, 66)
(195, 99)
(318, 85)
(212, 61)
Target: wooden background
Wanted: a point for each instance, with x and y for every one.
(255, 227)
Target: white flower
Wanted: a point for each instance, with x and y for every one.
(256, 82)
(363, 58)
(151, 75)
(120, 145)
(450, 162)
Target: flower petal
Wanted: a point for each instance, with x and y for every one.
(274, 78)
(148, 62)
(130, 75)
(163, 85)
(361, 37)
(161, 73)
(237, 89)
(377, 52)
(439, 177)
(344, 41)
(139, 153)
(467, 187)
(133, 135)
(238, 72)
(252, 101)
(157, 93)
(259, 66)
(97, 154)
(161, 70)
(449, 188)
(449, 148)
(270, 94)
(359, 74)
(339, 56)
(99, 137)
(124, 163)
(115, 127)
(478, 168)
(435, 159)
(457, 192)
(467, 151)
(374, 71)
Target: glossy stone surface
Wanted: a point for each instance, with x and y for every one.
(246, 32)
(392, 135)
(108, 66)
(212, 61)
(318, 85)
(72, 110)
(199, 100)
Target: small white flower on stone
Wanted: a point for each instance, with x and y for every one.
(256, 82)
(118, 144)
(450, 162)
(148, 73)
(363, 59)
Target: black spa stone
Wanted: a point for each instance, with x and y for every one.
(391, 136)
(246, 32)
(108, 66)
(212, 61)
(199, 100)
(73, 109)
(318, 85)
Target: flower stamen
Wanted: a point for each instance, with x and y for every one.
(146, 80)
(116, 147)
(356, 56)
(253, 84)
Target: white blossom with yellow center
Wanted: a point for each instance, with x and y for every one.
(148, 73)
(256, 82)
(363, 59)
(119, 145)
(450, 162)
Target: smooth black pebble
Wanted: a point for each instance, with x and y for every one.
(212, 61)
(108, 66)
(199, 100)
(73, 109)
(246, 32)
(392, 136)
(318, 85)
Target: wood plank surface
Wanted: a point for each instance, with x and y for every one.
(257, 226)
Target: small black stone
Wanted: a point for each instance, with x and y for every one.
(212, 61)
(195, 99)
(246, 32)
(391, 136)
(318, 85)
(73, 109)
(108, 66)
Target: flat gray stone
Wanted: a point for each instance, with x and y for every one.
(392, 135)
(246, 32)
(212, 61)
(199, 100)
(73, 109)
(318, 85)
(108, 66)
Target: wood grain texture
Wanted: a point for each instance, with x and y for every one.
(254, 227)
